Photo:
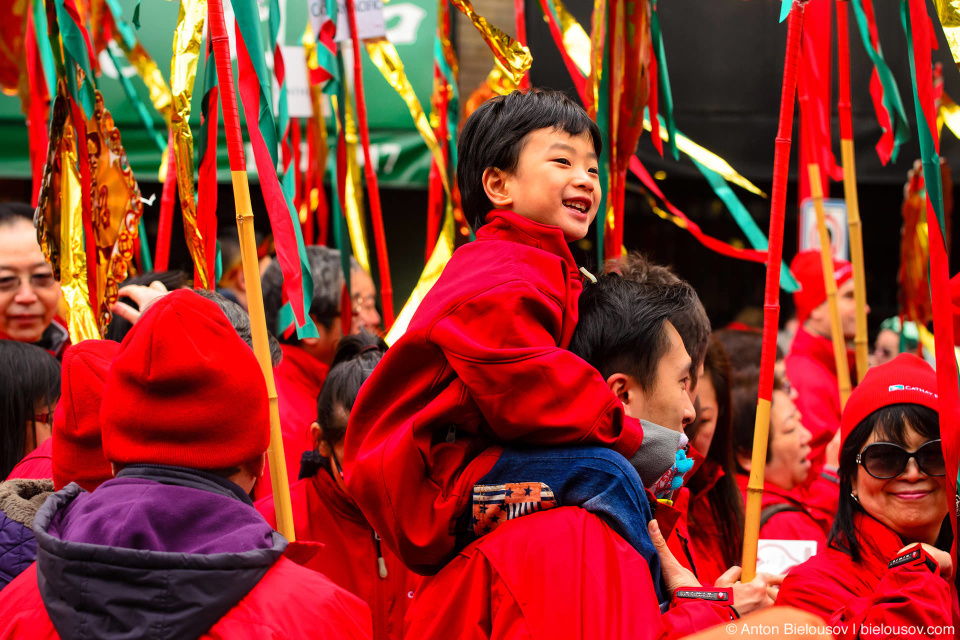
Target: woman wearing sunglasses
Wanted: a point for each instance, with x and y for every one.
(887, 561)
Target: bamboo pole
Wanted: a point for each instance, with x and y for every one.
(251, 271)
(826, 264)
(850, 191)
(771, 305)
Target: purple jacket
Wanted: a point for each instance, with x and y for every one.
(157, 552)
(19, 501)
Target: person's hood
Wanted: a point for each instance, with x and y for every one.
(20, 499)
(156, 553)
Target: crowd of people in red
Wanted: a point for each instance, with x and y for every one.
(544, 453)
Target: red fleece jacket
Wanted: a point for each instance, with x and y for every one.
(860, 596)
(483, 362)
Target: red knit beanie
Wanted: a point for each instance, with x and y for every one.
(806, 268)
(77, 448)
(906, 379)
(184, 390)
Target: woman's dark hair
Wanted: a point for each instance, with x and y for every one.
(622, 325)
(890, 423)
(172, 280)
(29, 380)
(353, 363)
(724, 497)
(743, 348)
(494, 136)
(744, 388)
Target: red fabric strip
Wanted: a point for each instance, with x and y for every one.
(168, 198)
(711, 243)
(38, 111)
(281, 222)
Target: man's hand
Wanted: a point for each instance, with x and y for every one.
(143, 296)
(759, 593)
(675, 575)
(942, 557)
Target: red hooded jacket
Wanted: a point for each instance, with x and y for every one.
(351, 553)
(850, 595)
(706, 536)
(276, 609)
(812, 371)
(561, 573)
(37, 464)
(483, 362)
(298, 377)
(795, 524)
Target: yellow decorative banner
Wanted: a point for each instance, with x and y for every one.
(708, 159)
(511, 56)
(187, 41)
(435, 265)
(385, 57)
(351, 199)
(149, 72)
(575, 39)
(949, 13)
(116, 209)
(597, 42)
(948, 114)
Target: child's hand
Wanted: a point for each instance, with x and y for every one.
(675, 575)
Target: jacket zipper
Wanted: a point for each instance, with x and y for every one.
(380, 625)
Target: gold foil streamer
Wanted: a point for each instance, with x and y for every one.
(116, 208)
(948, 11)
(435, 265)
(575, 39)
(81, 322)
(708, 159)
(511, 56)
(353, 193)
(948, 114)
(149, 72)
(385, 57)
(47, 216)
(597, 42)
(187, 40)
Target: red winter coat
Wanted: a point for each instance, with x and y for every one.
(38, 464)
(787, 525)
(350, 556)
(483, 362)
(849, 594)
(289, 603)
(298, 377)
(706, 536)
(561, 573)
(812, 371)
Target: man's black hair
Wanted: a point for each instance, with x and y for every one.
(622, 325)
(495, 134)
(691, 322)
(12, 213)
(890, 424)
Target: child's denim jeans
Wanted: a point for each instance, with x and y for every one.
(597, 479)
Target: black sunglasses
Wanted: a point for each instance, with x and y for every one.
(885, 460)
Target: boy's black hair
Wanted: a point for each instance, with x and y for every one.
(494, 136)
(172, 280)
(622, 325)
(889, 423)
(240, 320)
(691, 323)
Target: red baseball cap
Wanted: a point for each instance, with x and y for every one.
(807, 268)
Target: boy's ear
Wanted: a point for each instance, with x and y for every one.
(496, 187)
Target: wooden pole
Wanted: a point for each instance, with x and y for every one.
(251, 270)
(771, 305)
(829, 281)
(850, 191)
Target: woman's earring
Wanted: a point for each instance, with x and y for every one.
(855, 498)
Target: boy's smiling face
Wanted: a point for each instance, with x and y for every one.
(556, 182)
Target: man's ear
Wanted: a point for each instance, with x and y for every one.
(241, 281)
(258, 465)
(496, 187)
(316, 434)
(621, 386)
